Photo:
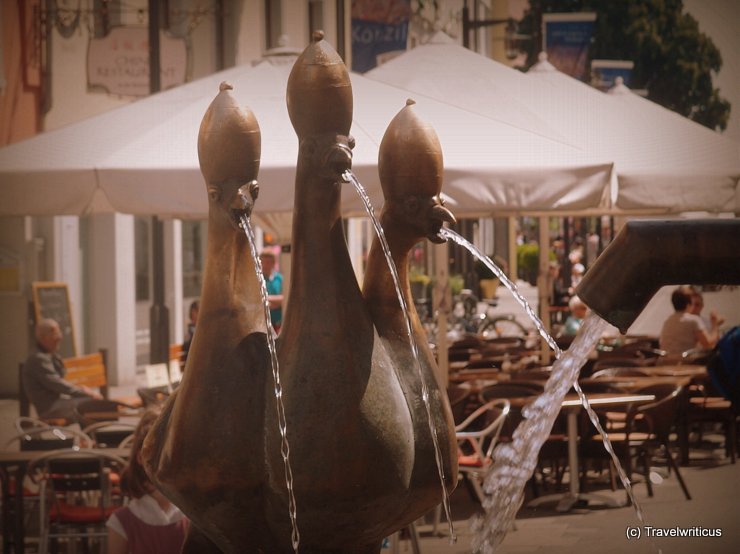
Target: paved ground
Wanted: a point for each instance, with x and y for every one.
(714, 485)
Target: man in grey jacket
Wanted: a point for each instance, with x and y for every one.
(43, 377)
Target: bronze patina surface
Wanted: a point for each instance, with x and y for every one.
(206, 452)
(647, 255)
(349, 426)
(410, 164)
(360, 446)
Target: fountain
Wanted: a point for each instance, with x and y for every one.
(360, 413)
(372, 448)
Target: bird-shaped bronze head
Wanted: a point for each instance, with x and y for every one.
(229, 144)
(411, 173)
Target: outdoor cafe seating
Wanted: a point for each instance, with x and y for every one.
(75, 495)
(58, 480)
(643, 430)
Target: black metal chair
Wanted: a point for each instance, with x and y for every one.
(75, 495)
(647, 429)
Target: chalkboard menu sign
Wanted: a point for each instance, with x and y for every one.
(51, 300)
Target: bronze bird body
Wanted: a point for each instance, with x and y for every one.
(410, 164)
(206, 451)
(347, 421)
(360, 448)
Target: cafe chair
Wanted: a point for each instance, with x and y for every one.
(642, 351)
(476, 444)
(695, 356)
(109, 434)
(35, 434)
(75, 497)
(477, 437)
(463, 401)
(646, 431)
(707, 406)
(554, 449)
(492, 363)
(154, 396)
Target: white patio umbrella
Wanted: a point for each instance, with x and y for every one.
(664, 163)
(142, 158)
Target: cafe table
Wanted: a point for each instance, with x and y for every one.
(14, 464)
(685, 370)
(572, 406)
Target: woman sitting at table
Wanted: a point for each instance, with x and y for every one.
(684, 330)
(150, 522)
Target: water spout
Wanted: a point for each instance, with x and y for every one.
(647, 255)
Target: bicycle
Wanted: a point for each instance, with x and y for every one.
(466, 318)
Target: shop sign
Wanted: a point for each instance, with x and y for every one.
(119, 62)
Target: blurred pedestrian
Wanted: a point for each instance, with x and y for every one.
(274, 282)
(578, 312)
(193, 315)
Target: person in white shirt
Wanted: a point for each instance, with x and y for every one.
(683, 330)
(697, 305)
(149, 522)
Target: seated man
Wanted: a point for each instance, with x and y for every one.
(43, 377)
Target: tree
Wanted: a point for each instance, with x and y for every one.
(673, 59)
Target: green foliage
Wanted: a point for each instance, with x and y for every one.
(528, 261)
(673, 59)
(457, 283)
(416, 276)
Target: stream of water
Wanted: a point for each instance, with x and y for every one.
(515, 462)
(349, 176)
(284, 446)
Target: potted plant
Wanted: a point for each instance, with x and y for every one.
(419, 284)
(487, 280)
(527, 260)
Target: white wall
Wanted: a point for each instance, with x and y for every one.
(111, 294)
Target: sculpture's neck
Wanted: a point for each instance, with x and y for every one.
(379, 288)
(231, 292)
(319, 247)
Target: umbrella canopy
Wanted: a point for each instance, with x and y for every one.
(664, 163)
(705, 166)
(142, 158)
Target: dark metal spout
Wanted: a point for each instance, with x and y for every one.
(647, 255)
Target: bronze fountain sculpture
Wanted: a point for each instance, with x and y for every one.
(358, 431)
